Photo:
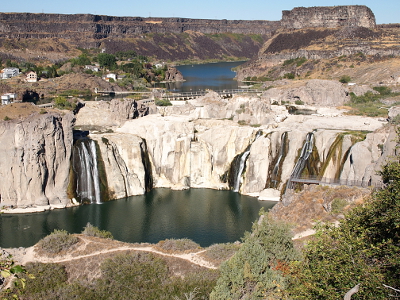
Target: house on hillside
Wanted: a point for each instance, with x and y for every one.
(31, 77)
(110, 76)
(8, 98)
(7, 73)
(93, 68)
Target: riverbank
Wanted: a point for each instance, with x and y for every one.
(35, 209)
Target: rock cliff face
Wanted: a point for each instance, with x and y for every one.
(163, 38)
(328, 17)
(35, 160)
(28, 25)
(315, 92)
(193, 146)
(196, 146)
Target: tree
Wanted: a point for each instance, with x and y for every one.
(345, 79)
(363, 250)
(258, 269)
(107, 60)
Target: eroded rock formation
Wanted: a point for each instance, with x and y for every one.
(35, 160)
(314, 92)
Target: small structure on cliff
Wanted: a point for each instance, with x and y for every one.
(328, 17)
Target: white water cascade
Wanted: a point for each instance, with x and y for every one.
(240, 171)
(304, 155)
(85, 167)
(242, 164)
(275, 170)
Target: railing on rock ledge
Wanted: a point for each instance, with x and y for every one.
(330, 181)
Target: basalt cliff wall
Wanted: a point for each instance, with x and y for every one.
(163, 38)
(328, 17)
(28, 25)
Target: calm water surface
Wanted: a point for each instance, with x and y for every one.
(214, 76)
(203, 215)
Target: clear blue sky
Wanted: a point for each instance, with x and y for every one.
(386, 11)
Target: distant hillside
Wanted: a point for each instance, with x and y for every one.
(324, 42)
(162, 38)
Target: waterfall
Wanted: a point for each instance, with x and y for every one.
(274, 181)
(239, 163)
(304, 155)
(240, 171)
(84, 159)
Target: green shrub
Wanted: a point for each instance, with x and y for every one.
(383, 90)
(135, 275)
(91, 230)
(300, 61)
(289, 76)
(46, 276)
(61, 102)
(43, 111)
(6, 118)
(345, 79)
(221, 252)
(57, 241)
(257, 270)
(162, 102)
(299, 102)
(288, 62)
(338, 205)
(177, 245)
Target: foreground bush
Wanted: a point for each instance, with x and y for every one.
(57, 241)
(257, 270)
(91, 230)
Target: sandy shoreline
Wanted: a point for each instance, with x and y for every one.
(41, 208)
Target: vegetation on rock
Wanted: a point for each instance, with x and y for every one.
(258, 269)
(57, 241)
(91, 230)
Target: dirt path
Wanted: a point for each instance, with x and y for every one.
(30, 255)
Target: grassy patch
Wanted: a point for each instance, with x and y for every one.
(177, 245)
(219, 253)
(57, 241)
(369, 104)
(91, 230)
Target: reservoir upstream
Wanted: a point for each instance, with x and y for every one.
(213, 76)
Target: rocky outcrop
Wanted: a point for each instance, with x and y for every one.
(35, 160)
(315, 92)
(111, 113)
(123, 156)
(173, 74)
(249, 110)
(328, 17)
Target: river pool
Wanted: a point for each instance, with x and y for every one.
(206, 216)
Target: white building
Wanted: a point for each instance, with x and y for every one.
(7, 73)
(93, 68)
(110, 76)
(8, 98)
(31, 77)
